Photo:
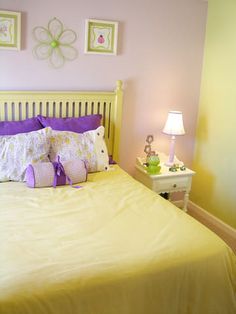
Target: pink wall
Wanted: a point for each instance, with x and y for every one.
(159, 59)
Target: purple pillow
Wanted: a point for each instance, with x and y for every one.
(15, 127)
(78, 125)
(111, 161)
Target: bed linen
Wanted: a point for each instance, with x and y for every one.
(112, 247)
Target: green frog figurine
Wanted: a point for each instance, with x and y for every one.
(153, 164)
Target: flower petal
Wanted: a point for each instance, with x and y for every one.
(55, 27)
(42, 51)
(57, 59)
(69, 52)
(42, 35)
(68, 37)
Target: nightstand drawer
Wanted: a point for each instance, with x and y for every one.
(170, 184)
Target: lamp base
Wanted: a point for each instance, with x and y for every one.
(165, 160)
(169, 164)
(176, 161)
(171, 159)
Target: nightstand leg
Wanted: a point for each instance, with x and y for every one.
(186, 197)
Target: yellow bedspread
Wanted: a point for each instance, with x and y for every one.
(112, 247)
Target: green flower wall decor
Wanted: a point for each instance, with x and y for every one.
(55, 43)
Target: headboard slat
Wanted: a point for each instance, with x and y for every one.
(19, 105)
(50, 108)
(22, 110)
(89, 107)
(82, 108)
(31, 109)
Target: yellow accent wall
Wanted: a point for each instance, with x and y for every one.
(214, 186)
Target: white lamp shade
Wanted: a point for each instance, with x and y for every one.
(174, 123)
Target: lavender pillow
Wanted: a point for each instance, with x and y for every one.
(15, 127)
(43, 174)
(78, 125)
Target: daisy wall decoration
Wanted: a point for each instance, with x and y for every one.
(55, 43)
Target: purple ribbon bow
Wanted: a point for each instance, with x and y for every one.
(60, 176)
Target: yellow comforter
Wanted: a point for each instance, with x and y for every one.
(112, 247)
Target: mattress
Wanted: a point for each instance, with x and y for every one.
(111, 247)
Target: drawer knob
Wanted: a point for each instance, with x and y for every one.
(174, 185)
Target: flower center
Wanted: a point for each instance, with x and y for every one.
(54, 44)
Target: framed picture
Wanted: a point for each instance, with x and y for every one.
(10, 30)
(101, 37)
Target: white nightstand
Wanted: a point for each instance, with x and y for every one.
(166, 181)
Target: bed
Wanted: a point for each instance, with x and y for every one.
(111, 247)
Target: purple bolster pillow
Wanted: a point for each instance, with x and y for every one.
(45, 174)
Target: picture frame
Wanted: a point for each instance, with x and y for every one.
(101, 37)
(10, 30)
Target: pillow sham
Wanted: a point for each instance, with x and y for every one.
(89, 146)
(78, 125)
(20, 150)
(23, 126)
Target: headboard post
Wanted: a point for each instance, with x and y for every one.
(117, 119)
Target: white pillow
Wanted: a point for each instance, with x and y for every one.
(20, 150)
(89, 146)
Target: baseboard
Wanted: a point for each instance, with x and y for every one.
(226, 232)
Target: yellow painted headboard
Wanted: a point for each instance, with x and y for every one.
(19, 105)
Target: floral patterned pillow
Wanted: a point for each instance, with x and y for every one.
(89, 146)
(20, 150)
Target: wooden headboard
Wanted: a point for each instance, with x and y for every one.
(20, 105)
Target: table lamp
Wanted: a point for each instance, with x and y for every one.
(174, 126)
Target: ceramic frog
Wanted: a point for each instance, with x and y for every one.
(153, 164)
